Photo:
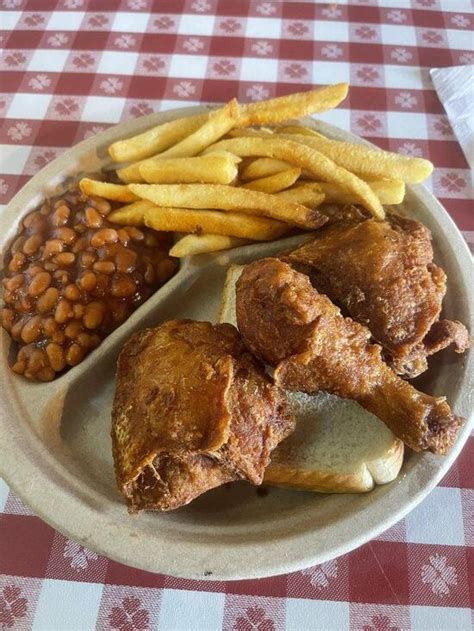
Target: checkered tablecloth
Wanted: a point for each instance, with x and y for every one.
(73, 67)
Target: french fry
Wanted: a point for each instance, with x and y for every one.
(217, 125)
(298, 129)
(162, 137)
(214, 222)
(132, 173)
(198, 221)
(228, 198)
(263, 167)
(214, 169)
(274, 183)
(155, 139)
(226, 154)
(389, 192)
(204, 243)
(310, 195)
(305, 157)
(293, 106)
(116, 192)
(371, 164)
(250, 132)
(132, 214)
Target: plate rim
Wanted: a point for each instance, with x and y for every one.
(20, 482)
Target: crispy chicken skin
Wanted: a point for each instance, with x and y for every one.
(302, 334)
(381, 274)
(192, 410)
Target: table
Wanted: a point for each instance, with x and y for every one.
(70, 68)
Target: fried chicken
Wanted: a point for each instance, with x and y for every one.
(285, 322)
(192, 410)
(381, 274)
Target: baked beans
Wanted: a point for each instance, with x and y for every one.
(72, 278)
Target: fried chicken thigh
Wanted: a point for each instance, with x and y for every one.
(381, 274)
(302, 334)
(192, 410)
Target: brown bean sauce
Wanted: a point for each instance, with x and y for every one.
(72, 277)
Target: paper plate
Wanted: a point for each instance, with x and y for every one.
(55, 438)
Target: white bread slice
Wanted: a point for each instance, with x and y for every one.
(337, 447)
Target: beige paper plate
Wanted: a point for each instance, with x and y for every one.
(55, 449)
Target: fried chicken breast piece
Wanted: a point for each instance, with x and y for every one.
(192, 410)
(302, 334)
(381, 274)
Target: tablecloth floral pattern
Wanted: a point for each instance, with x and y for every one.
(69, 69)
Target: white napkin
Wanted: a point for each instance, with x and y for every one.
(455, 88)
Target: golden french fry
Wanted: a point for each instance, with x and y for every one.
(198, 221)
(155, 139)
(214, 169)
(250, 132)
(161, 137)
(389, 192)
(293, 106)
(225, 154)
(274, 183)
(217, 125)
(116, 192)
(305, 157)
(229, 198)
(132, 172)
(132, 214)
(310, 195)
(298, 129)
(214, 222)
(371, 164)
(263, 167)
(203, 243)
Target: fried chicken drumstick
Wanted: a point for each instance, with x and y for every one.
(381, 274)
(192, 410)
(302, 334)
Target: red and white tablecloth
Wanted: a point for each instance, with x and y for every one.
(70, 68)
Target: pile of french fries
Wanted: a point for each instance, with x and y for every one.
(239, 174)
